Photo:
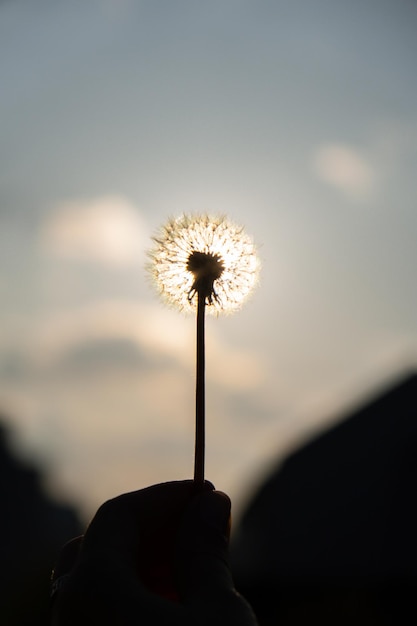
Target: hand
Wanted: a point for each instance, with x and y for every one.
(156, 557)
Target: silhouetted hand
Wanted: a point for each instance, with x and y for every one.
(156, 557)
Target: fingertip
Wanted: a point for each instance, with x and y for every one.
(202, 487)
(215, 508)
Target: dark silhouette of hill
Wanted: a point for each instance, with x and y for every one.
(331, 536)
(32, 528)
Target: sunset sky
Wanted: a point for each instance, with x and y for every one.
(297, 119)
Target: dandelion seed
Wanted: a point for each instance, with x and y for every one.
(202, 262)
(206, 254)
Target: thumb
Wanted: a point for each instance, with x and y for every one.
(203, 548)
(204, 580)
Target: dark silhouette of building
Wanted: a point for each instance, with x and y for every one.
(331, 536)
(32, 530)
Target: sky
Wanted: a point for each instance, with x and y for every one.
(297, 120)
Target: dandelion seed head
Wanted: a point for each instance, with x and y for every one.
(207, 255)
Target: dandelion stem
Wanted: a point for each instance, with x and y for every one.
(200, 392)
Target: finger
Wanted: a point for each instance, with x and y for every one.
(204, 577)
(202, 552)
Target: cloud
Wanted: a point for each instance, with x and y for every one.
(110, 353)
(346, 169)
(107, 230)
(132, 334)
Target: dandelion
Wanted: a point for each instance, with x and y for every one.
(201, 262)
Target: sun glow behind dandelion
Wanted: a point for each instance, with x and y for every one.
(200, 252)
